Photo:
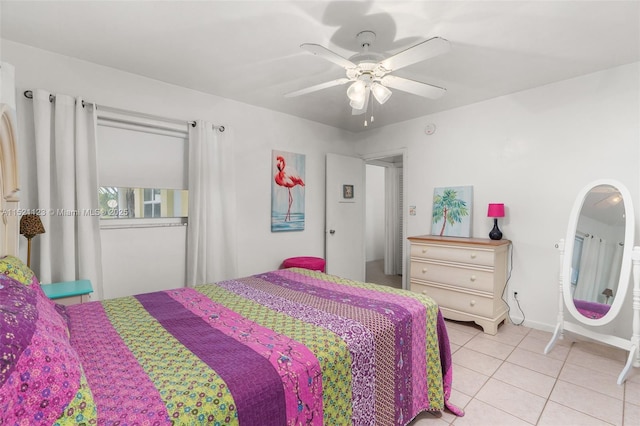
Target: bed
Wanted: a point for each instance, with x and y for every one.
(284, 347)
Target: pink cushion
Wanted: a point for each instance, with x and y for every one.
(307, 262)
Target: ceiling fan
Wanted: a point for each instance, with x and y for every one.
(370, 73)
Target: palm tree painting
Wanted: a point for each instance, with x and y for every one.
(452, 211)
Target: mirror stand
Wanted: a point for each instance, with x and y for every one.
(631, 345)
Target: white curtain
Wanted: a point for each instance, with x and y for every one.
(67, 190)
(592, 269)
(614, 272)
(211, 236)
(392, 251)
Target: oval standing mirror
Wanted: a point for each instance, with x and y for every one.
(597, 259)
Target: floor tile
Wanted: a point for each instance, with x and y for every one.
(587, 378)
(467, 381)
(476, 361)
(509, 334)
(513, 400)
(479, 413)
(555, 414)
(587, 401)
(535, 343)
(536, 362)
(487, 346)
(587, 359)
(632, 393)
(524, 378)
(631, 414)
(458, 337)
(599, 349)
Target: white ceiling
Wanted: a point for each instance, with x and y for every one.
(249, 50)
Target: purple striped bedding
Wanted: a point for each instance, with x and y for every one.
(286, 347)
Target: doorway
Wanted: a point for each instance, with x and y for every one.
(384, 240)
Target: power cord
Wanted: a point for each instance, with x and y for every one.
(515, 294)
(515, 297)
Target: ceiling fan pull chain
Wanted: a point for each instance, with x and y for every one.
(372, 104)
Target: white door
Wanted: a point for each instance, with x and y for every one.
(345, 217)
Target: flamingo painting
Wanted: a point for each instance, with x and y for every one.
(287, 206)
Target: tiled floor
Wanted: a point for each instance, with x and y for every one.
(375, 274)
(507, 380)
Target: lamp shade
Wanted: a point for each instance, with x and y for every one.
(381, 93)
(31, 225)
(357, 91)
(495, 210)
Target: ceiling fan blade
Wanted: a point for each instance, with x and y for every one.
(327, 54)
(414, 87)
(427, 49)
(317, 87)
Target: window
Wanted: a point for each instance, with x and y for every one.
(152, 202)
(142, 169)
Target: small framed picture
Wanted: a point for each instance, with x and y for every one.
(347, 192)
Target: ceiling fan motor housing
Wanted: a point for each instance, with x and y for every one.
(365, 38)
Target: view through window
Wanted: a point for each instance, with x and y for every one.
(129, 203)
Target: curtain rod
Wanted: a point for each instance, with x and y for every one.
(29, 95)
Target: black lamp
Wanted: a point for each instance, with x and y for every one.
(495, 211)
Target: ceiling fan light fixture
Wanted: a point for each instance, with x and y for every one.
(357, 104)
(357, 92)
(381, 93)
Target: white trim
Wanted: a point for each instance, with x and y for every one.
(160, 222)
(131, 120)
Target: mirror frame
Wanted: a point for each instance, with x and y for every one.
(625, 266)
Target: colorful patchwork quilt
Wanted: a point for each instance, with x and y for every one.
(287, 347)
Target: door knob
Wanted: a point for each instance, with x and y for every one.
(332, 231)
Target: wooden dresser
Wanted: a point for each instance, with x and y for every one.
(465, 276)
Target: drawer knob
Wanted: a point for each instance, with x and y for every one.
(472, 303)
(424, 270)
(424, 250)
(424, 291)
(473, 255)
(473, 277)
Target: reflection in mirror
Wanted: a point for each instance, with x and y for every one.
(129, 203)
(597, 251)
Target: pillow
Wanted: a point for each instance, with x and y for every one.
(16, 269)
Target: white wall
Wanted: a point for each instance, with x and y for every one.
(374, 244)
(253, 131)
(533, 150)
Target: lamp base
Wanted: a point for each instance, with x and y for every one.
(495, 233)
(29, 252)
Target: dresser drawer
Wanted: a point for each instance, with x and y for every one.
(465, 302)
(459, 276)
(469, 255)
